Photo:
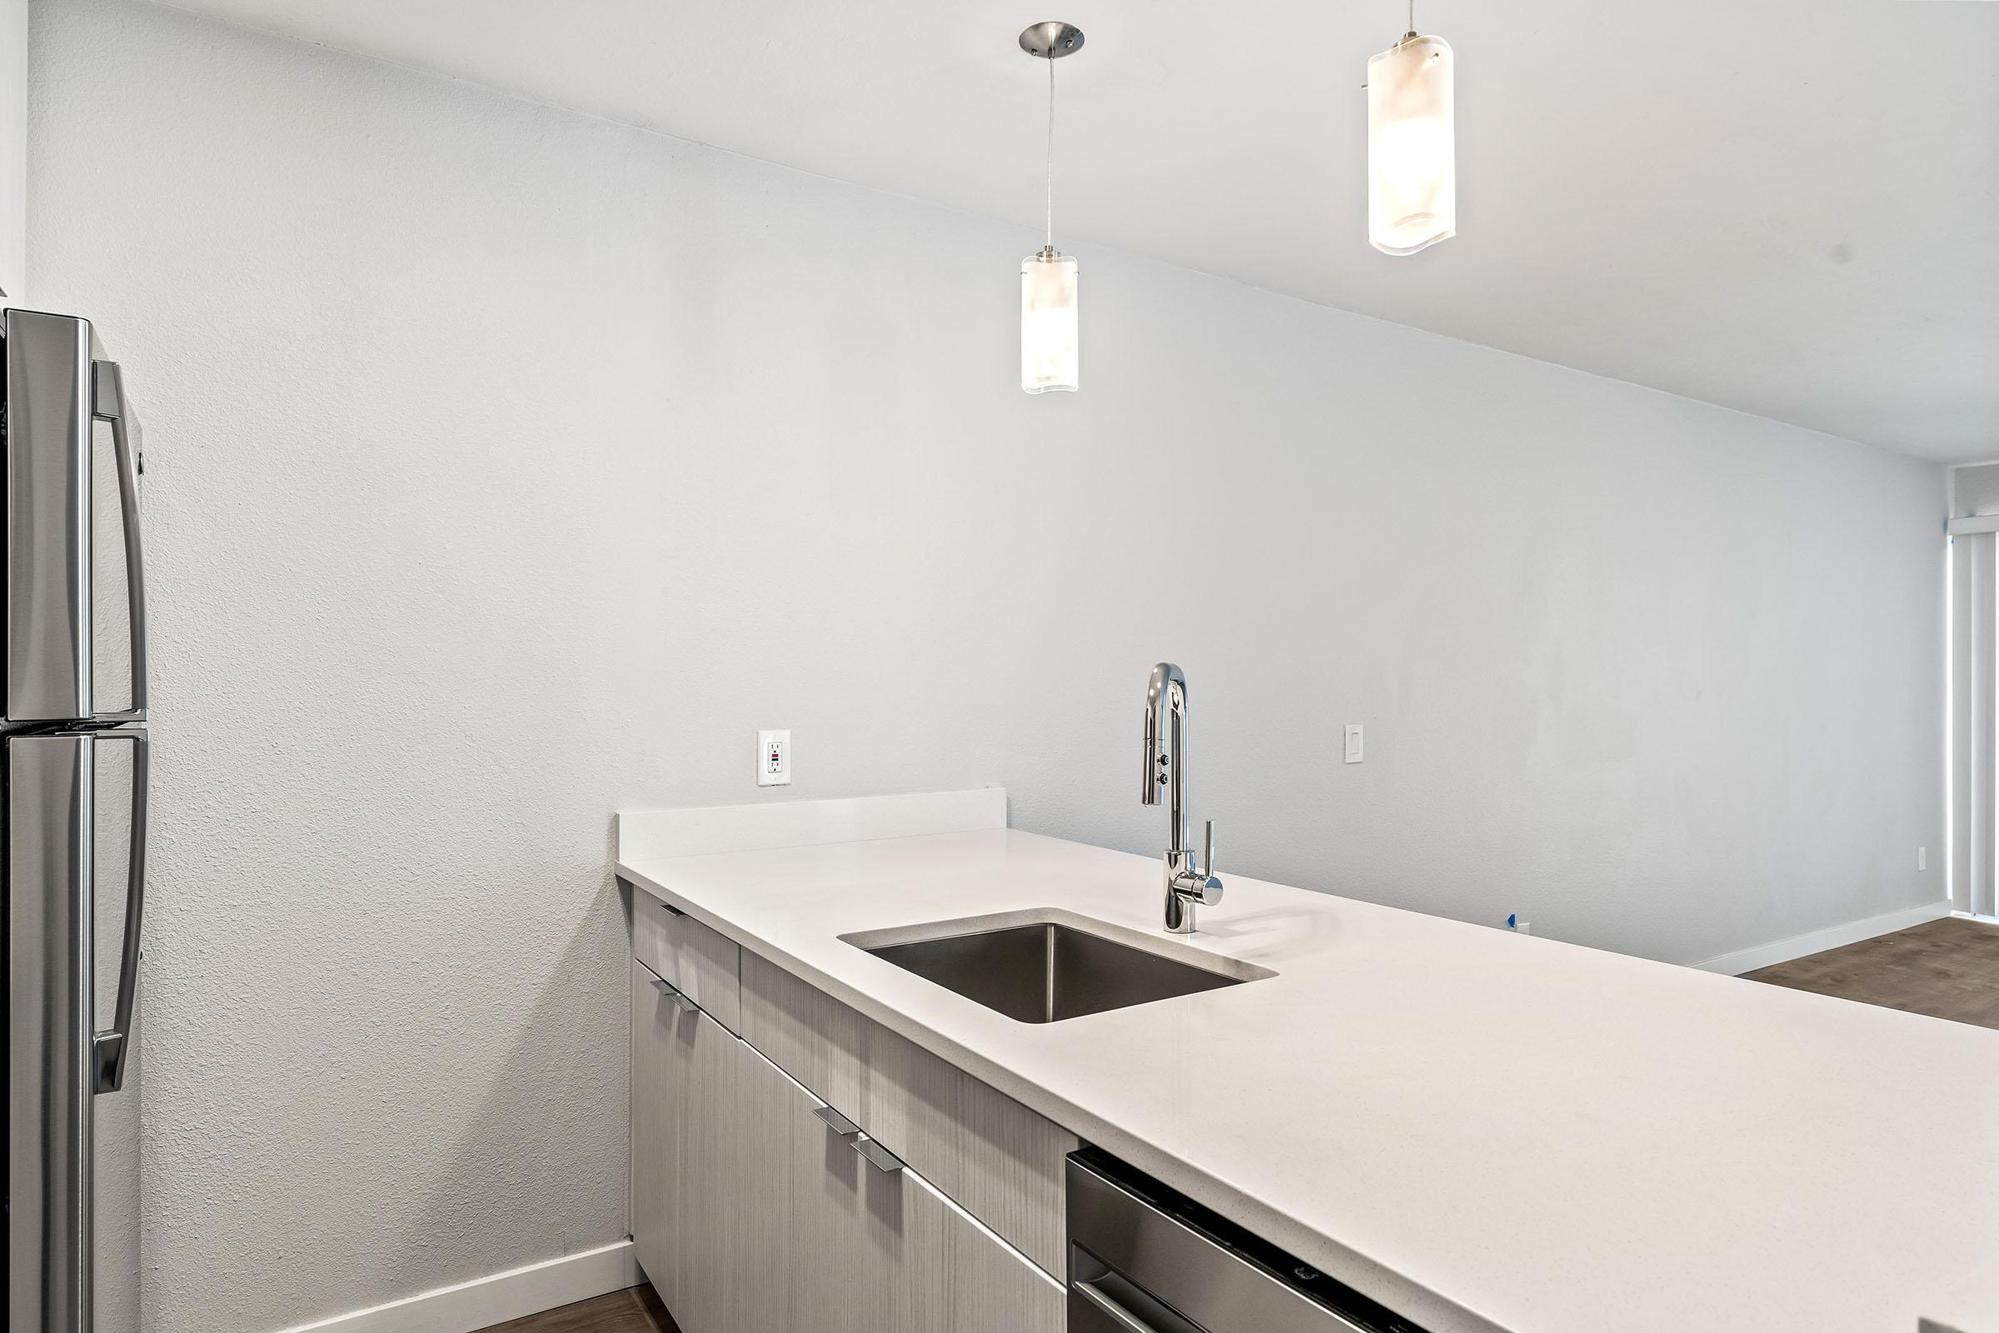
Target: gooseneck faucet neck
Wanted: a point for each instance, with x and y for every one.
(1188, 881)
(1166, 749)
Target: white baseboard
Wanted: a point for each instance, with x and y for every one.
(494, 1299)
(1818, 941)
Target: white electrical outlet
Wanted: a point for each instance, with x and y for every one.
(773, 758)
(1922, 858)
(1353, 743)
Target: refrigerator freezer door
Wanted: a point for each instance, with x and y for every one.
(49, 1037)
(48, 425)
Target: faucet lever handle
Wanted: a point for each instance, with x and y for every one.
(1207, 888)
(1200, 884)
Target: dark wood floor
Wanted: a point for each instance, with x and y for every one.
(634, 1310)
(1947, 968)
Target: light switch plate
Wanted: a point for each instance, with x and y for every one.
(1353, 754)
(773, 759)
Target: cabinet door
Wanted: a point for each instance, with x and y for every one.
(716, 1168)
(831, 1244)
(753, 1215)
(821, 1239)
(658, 1087)
(987, 1286)
(767, 1110)
(934, 1269)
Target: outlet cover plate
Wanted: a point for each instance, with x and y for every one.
(773, 759)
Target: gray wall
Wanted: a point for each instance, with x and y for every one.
(508, 466)
(13, 145)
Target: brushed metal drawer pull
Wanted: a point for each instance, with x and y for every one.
(836, 1122)
(878, 1157)
(680, 997)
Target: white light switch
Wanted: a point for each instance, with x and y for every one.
(773, 758)
(1353, 743)
(1922, 858)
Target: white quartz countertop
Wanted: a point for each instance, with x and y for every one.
(1481, 1129)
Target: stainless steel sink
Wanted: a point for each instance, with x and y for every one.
(1043, 971)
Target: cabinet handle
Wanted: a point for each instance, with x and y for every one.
(878, 1157)
(836, 1122)
(870, 1149)
(679, 997)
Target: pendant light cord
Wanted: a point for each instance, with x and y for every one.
(1049, 241)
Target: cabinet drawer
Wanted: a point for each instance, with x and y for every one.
(999, 1161)
(808, 1034)
(700, 962)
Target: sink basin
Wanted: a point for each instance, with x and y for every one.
(1046, 970)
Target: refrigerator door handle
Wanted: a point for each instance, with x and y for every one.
(108, 1048)
(109, 404)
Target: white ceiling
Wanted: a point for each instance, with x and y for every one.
(1787, 208)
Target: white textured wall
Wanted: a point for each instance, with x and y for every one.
(13, 148)
(507, 466)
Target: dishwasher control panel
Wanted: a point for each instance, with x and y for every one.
(1144, 1258)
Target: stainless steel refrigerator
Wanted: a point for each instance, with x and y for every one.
(76, 757)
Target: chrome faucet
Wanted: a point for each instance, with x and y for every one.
(1188, 882)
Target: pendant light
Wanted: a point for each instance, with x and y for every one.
(1049, 351)
(1412, 174)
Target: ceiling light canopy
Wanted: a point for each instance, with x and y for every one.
(1050, 353)
(1412, 176)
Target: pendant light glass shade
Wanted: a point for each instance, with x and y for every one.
(1049, 351)
(1412, 174)
(1050, 354)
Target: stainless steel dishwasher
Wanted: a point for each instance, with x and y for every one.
(1146, 1259)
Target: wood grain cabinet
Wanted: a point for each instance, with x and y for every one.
(697, 960)
(990, 1154)
(658, 1086)
(751, 1214)
(841, 1245)
(686, 1154)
